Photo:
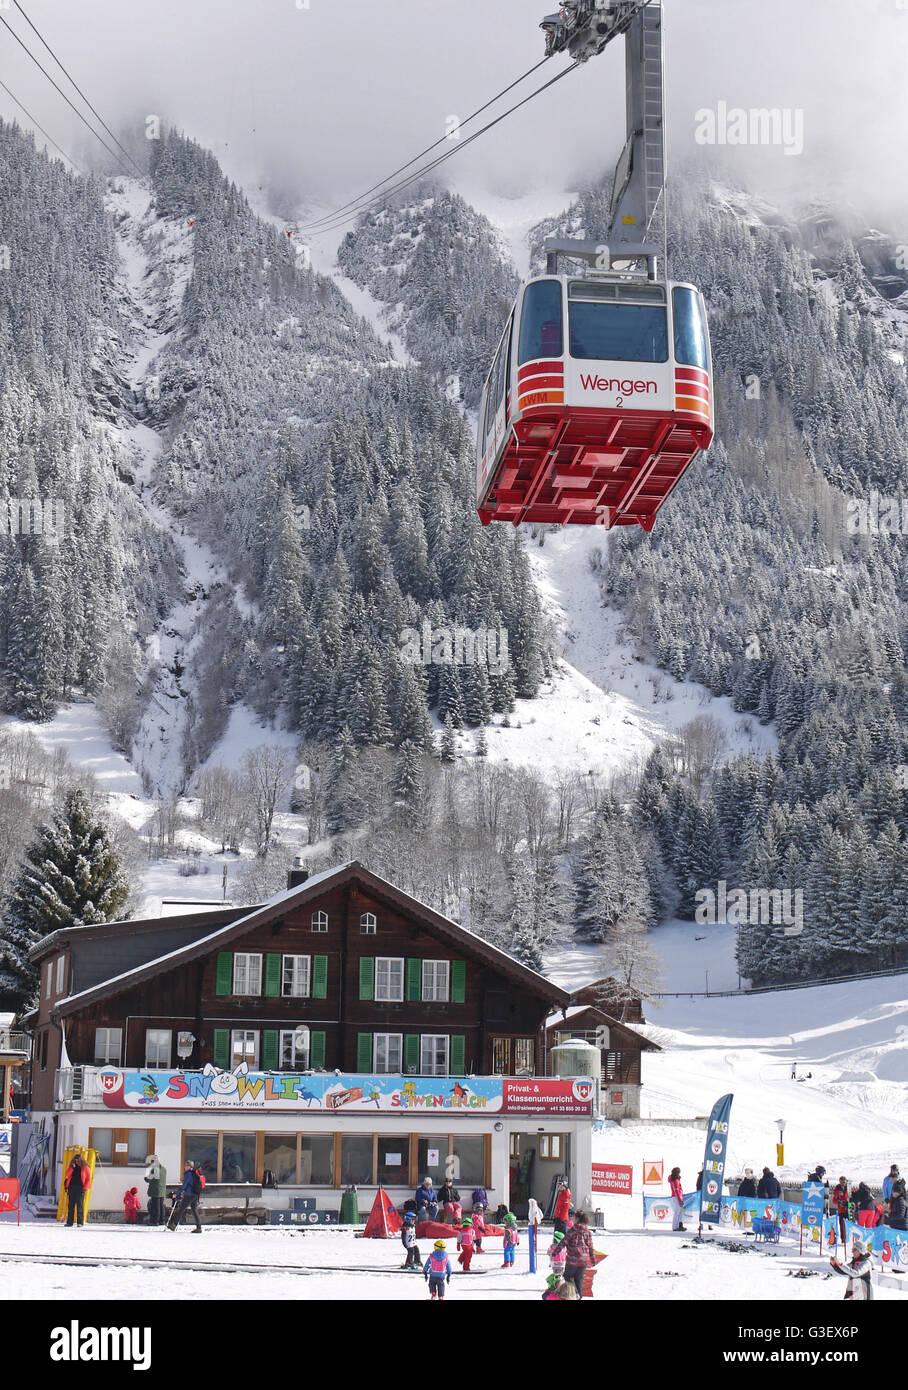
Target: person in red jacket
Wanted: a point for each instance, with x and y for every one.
(674, 1187)
(76, 1182)
(131, 1204)
(579, 1253)
(562, 1206)
(840, 1204)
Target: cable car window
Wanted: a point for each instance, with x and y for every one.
(540, 323)
(494, 393)
(691, 343)
(618, 332)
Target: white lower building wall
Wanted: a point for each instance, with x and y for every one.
(111, 1182)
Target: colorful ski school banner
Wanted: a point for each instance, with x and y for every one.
(889, 1247)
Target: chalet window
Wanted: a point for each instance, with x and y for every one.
(469, 1158)
(387, 1053)
(44, 1050)
(237, 1157)
(356, 1158)
(389, 979)
(501, 1056)
(122, 1148)
(61, 975)
(244, 1047)
(107, 1046)
(295, 984)
(317, 1159)
(201, 1148)
(367, 924)
(247, 973)
(435, 975)
(551, 1146)
(280, 1157)
(319, 921)
(523, 1055)
(433, 1054)
(49, 979)
(394, 1159)
(157, 1047)
(292, 1055)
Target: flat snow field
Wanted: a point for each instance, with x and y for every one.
(277, 1263)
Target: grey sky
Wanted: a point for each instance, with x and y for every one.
(320, 102)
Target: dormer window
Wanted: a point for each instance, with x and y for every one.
(319, 921)
(367, 924)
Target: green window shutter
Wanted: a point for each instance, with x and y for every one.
(367, 979)
(221, 1047)
(364, 1052)
(411, 1053)
(320, 977)
(273, 966)
(316, 1050)
(225, 973)
(269, 1049)
(456, 1054)
(414, 979)
(458, 981)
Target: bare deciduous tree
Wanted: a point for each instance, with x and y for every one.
(268, 772)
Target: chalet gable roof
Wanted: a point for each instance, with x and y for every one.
(585, 1017)
(294, 898)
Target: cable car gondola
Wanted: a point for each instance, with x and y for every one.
(600, 393)
(598, 400)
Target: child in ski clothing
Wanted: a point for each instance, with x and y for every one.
(579, 1253)
(857, 1272)
(131, 1204)
(558, 1254)
(558, 1290)
(465, 1239)
(511, 1239)
(408, 1237)
(479, 1230)
(674, 1187)
(437, 1271)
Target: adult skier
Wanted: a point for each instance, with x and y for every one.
(769, 1185)
(857, 1271)
(674, 1187)
(748, 1187)
(187, 1199)
(76, 1182)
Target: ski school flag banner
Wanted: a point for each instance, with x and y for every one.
(890, 1247)
(714, 1161)
(660, 1208)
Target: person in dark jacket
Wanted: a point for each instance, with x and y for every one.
(769, 1185)
(748, 1187)
(76, 1182)
(839, 1201)
(426, 1201)
(480, 1199)
(188, 1199)
(156, 1179)
(865, 1205)
(898, 1206)
(450, 1200)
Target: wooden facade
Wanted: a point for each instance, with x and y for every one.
(621, 1047)
(340, 941)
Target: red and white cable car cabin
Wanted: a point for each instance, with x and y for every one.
(599, 399)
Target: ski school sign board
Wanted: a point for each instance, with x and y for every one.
(283, 1091)
(611, 1177)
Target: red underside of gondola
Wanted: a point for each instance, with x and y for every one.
(587, 467)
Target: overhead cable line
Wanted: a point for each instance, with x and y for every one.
(434, 164)
(37, 126)
(329, 216)
(88, 126)
(78, 89)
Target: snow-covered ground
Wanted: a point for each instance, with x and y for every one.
(280, 1264)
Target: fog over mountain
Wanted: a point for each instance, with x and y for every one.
(317, 100)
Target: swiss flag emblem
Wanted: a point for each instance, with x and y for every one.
(109, 1080)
